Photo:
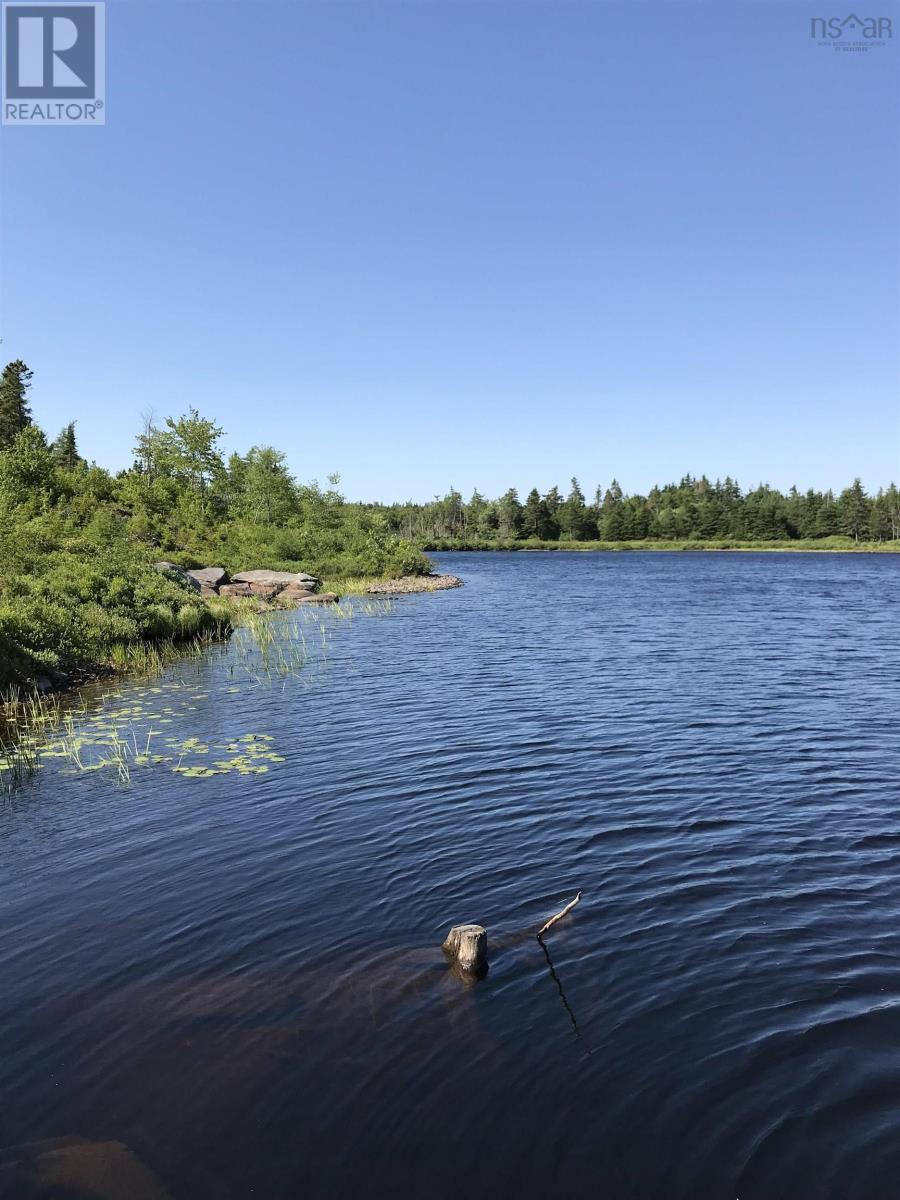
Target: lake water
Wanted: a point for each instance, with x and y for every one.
(239, 977)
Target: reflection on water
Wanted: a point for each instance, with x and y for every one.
(559, 987)
(232, 985)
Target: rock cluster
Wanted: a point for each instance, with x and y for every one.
(414, 583)
(289, 587)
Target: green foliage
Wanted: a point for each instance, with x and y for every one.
(78, 591)
(65, 448)
(70, 597)
(693, 510)
(15, 414)
(28, 471)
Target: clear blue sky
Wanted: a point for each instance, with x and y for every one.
(472, 242)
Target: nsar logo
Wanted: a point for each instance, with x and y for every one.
(851, 32)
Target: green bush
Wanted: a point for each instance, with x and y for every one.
(67, 600)
(77, 546)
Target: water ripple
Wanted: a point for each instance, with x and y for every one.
(240, 978)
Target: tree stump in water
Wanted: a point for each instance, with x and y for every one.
(467, 946)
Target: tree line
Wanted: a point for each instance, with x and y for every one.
(182, 494)
(692, 509)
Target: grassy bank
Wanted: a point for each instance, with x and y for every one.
(72, 609)
(79, 595)
(351, 585)
(823, 545)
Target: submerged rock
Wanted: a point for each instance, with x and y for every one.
(74, 1166)
(315, 598)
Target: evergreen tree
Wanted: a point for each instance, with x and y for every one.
(854, 506)
(65, 448)
(481, 515)
(536, 519)
(14, 411)
(828, 518)
(573, 515)
(892, 507)
(880, 529)
(553, 500)
(449, 516)
(510, 512)
(613, 516)
(576, 495)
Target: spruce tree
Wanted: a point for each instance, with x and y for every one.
(614, 518)
(14, 411)
(65, 448)
(536, 519)
(573, 514)
(510, 512)
(854, 505)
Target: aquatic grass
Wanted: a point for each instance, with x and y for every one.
(266, 651)
(281, 643)
(18, 762)
(120, 736)
(284, 649)
(146, 659)
(374, 606)
(105, 741)
(119, 733)
(355, 585)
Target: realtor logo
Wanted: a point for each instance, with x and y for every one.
(54, 64)
(851, 32)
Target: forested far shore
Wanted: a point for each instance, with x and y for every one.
(694, 509)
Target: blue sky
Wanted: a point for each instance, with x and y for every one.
(472, 242)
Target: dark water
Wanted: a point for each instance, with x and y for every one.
(238, 977)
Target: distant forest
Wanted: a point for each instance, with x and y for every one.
(693, 509)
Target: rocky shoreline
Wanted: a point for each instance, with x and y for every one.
(287, 588)
(408, 584)
(270, 589)
(281, 587)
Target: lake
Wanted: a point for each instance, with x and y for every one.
(238, 975)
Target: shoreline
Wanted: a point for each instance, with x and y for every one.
(414, 584)
(151, 656)
(686, 547)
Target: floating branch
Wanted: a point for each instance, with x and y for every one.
(543, 929)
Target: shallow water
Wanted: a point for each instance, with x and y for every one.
(239, 977)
